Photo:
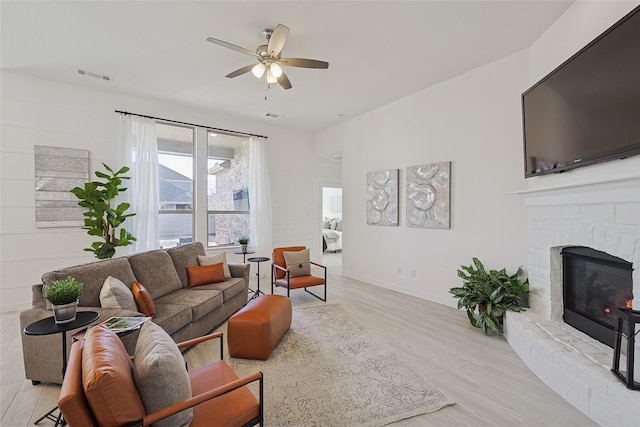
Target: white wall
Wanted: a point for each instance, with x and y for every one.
(472, 120)
(577, 27)
(41, 112)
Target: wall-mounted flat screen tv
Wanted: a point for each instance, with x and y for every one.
(587, 110)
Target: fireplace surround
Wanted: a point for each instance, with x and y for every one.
(605, 216)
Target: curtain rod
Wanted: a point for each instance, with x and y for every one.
(190, 124)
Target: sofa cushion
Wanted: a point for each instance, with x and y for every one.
(200, 303)
(230, 288)
(107, 379)
(184, 256)
(115, 294)
(160, 375)
(214, 259)
(298, 263)
(93, 276)
(172, 317)
(155, 270)
(143, 299)
(203, 274)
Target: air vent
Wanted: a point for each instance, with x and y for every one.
(94, 75)
(274, 115)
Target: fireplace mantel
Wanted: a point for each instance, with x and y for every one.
(619, 190)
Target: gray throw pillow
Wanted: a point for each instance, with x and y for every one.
(298, 263)
(214, 259)
(160, 374)
(115, 294)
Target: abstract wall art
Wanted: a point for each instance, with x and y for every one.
(428, 195)
(58, 170)
(382, 197)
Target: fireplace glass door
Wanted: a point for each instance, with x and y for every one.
(594, 283)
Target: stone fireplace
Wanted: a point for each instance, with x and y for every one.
(603, 216)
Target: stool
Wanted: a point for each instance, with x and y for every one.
(256, 329)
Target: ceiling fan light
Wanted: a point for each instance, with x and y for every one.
(276, 70)
(271, 79)
(258, 70)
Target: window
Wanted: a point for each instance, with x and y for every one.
(227, 188)
(175, 184)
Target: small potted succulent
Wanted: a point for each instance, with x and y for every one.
(63, 295)
(244, 241)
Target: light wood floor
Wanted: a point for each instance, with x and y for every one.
(489, 383)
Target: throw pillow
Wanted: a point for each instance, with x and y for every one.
(160, 375)
(214, 259)
(298, 263)
(107, 379)
(115, 294)
(144, 300)
(339, 225)
(205, 274)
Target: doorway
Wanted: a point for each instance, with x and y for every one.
(331, 220)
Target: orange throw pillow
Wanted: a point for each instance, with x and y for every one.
(204, 274)
(144, 300)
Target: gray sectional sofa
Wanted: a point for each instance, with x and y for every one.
(183, 312)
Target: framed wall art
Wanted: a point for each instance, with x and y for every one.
(428, 195)
(57, 171)
(382, 197)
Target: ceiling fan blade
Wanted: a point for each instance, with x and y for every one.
(304, 63)
(240, 71)
(284, 81)
(232, 47)
(277, 40)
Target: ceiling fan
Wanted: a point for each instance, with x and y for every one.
(269, 60)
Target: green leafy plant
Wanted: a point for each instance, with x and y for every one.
(63, 291)
(243, 240)
(101, 219)
(492, 292)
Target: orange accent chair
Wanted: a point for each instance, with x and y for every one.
(219, 397)
(281, 276)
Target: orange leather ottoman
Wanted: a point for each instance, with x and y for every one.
(256, 329)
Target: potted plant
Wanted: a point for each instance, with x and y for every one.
(63, 295)
(244, 241)
(102, 219)
(490, 292)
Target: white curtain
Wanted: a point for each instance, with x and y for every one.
(139, 145)
(260, 237)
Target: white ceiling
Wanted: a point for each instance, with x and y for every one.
(379, 51)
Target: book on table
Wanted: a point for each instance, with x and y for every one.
(124, 324)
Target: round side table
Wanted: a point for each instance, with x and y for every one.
(258, 259)
(244, 254)
(49, 326)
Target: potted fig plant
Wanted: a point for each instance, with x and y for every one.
(244, 241)
(63, 295)
(491, 293)
(102, 219)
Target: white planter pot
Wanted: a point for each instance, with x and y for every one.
(65, 313)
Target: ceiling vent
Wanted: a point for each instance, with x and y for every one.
(94, 75)
(273, 115)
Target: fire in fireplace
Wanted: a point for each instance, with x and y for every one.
(594, 283)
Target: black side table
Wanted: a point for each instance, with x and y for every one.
(48, 326)
(244, 254)
(258, 259)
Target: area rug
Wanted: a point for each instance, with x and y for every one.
(329, 371)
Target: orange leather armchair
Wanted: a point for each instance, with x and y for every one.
(280, 276)
(219, 397)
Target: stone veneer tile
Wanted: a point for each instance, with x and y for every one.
(630, 418)
(604, 411)
(577, 393)
(598, 213)
(627, 213)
